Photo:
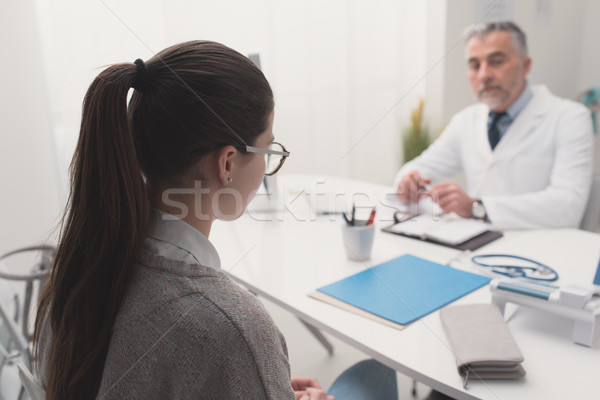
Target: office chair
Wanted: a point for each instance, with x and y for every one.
(591, 216)
(32, 387)
(591, 99)
(12, 339)
(43, 256)
(17, 280)
(7, 354)
(13, 344)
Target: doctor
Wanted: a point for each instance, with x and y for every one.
(526, 154)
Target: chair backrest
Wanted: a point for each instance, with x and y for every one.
(33, 388)
(13, 345)
(6, 338)
(11, 335)
(21, 271)
(26, 276)
(591, 216)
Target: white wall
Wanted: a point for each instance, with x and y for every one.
(78, 39)
(589, 73)
(436, 54)
(29, 200)
(343, 72)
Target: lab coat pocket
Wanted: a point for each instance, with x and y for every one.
(530, 173)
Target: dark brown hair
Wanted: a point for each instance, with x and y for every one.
(196, 97)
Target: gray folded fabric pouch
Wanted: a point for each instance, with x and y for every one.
(482, 344)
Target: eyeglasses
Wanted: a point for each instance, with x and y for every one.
(275, 156)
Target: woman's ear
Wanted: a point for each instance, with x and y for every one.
(225, 156)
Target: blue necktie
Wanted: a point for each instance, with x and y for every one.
(493, 131)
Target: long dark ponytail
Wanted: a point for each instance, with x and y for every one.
(108, 209)
(195, 95)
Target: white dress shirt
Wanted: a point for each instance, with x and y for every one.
(175, 239)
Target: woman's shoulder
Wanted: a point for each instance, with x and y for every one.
(160, 284)
(199, 329)
(169, 293)
(165, 281)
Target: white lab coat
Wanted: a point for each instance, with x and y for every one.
(538, 176)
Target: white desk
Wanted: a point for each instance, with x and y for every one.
(285, 255)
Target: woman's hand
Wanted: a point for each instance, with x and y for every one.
(308, 389)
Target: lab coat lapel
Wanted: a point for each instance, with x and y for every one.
(481, 141)
(482, 149)
(525, 122)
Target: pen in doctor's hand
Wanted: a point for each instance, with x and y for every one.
(426, 186)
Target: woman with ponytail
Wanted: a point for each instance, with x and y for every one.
(136, 306)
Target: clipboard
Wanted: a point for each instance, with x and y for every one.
(472, 243)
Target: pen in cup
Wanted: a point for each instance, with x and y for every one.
(352, 221)
(357, 234)
(346, 219)
(371, 217)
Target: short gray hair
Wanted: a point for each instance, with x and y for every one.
(482, 29)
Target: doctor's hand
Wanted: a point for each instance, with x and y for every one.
(451, 198)
(308, 389)
(411, 187)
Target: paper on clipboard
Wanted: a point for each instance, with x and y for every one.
(447, 229)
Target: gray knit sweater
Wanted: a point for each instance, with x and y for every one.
(189, 332)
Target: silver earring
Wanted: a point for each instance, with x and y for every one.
(228, 181)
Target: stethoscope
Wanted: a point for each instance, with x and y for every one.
(537, 272)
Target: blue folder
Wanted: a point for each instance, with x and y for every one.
(597, 277)
(404, 289)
